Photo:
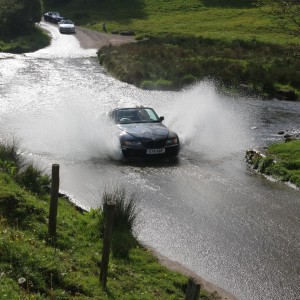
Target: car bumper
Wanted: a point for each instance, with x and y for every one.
(66, 30)
(169, 151)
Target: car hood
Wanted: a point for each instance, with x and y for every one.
(156, 131)
(66, 25)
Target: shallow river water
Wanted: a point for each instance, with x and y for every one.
(208, 211)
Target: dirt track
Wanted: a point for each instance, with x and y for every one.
(93, 39)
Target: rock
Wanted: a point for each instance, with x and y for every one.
(127, 33)
(291, 138)
(286, 95)
(281, 132)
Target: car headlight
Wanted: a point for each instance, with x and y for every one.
(172, 141)
(132, 143)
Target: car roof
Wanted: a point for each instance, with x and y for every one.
(133, 108)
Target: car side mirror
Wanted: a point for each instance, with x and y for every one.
(161, 118)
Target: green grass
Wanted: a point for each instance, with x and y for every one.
(72, 269)
(286, 151)
(223, 26)
(26, 43)
(31, 268)
(24, 173)
(172, 62)
(223, 19)
(282, 161)
(287, 157)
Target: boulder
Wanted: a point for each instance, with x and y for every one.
(286, 95)
(127, 33)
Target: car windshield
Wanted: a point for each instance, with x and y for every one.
(66, 22)
(135, 115)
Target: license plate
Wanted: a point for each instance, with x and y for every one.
(156, 151)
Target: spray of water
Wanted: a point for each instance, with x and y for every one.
(207, 122)
(74, 131)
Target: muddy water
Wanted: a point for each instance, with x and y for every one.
(207, 211)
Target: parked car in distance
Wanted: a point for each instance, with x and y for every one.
(66, 26)
(53, 17)
(142, 134)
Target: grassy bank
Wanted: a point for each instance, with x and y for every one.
(25, 43)
(238, 44)
(225, 20)
(282, 161)
(172, 62)
(31, 268)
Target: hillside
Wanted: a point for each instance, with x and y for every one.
(240, 45)
(216, 19)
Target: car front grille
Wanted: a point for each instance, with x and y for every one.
(67, 30)
(154, 144)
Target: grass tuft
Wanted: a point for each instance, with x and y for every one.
(125, 216)
(26, 174)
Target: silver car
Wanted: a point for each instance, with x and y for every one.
(66, 26)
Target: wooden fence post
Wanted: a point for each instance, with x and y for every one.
(193, 290)
(53, 203)
(110, 208)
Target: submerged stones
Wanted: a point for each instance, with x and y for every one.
(289, 135)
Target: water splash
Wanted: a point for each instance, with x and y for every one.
(64, 46)
(72, 132)
(206, 122)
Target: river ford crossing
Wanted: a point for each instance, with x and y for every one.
(207, 211)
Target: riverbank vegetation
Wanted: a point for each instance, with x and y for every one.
(18, 32)
(172, 62)
(25, 43)
(241, 45)
(31, 268)
(281, 161)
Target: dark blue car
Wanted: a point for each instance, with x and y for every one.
(142, 134)
(53, 17)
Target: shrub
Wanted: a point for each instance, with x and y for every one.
(122, 243)
(8, 167)
(279, 172)
(148, 85)
(9, 153)
(291, 165)
(264, 163)
(188, 79)
(27, 175)
(139, 37)
(33, 179)
(295, 178)
(125, 215)
(164, 85)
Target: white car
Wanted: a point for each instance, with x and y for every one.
(66, 26)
